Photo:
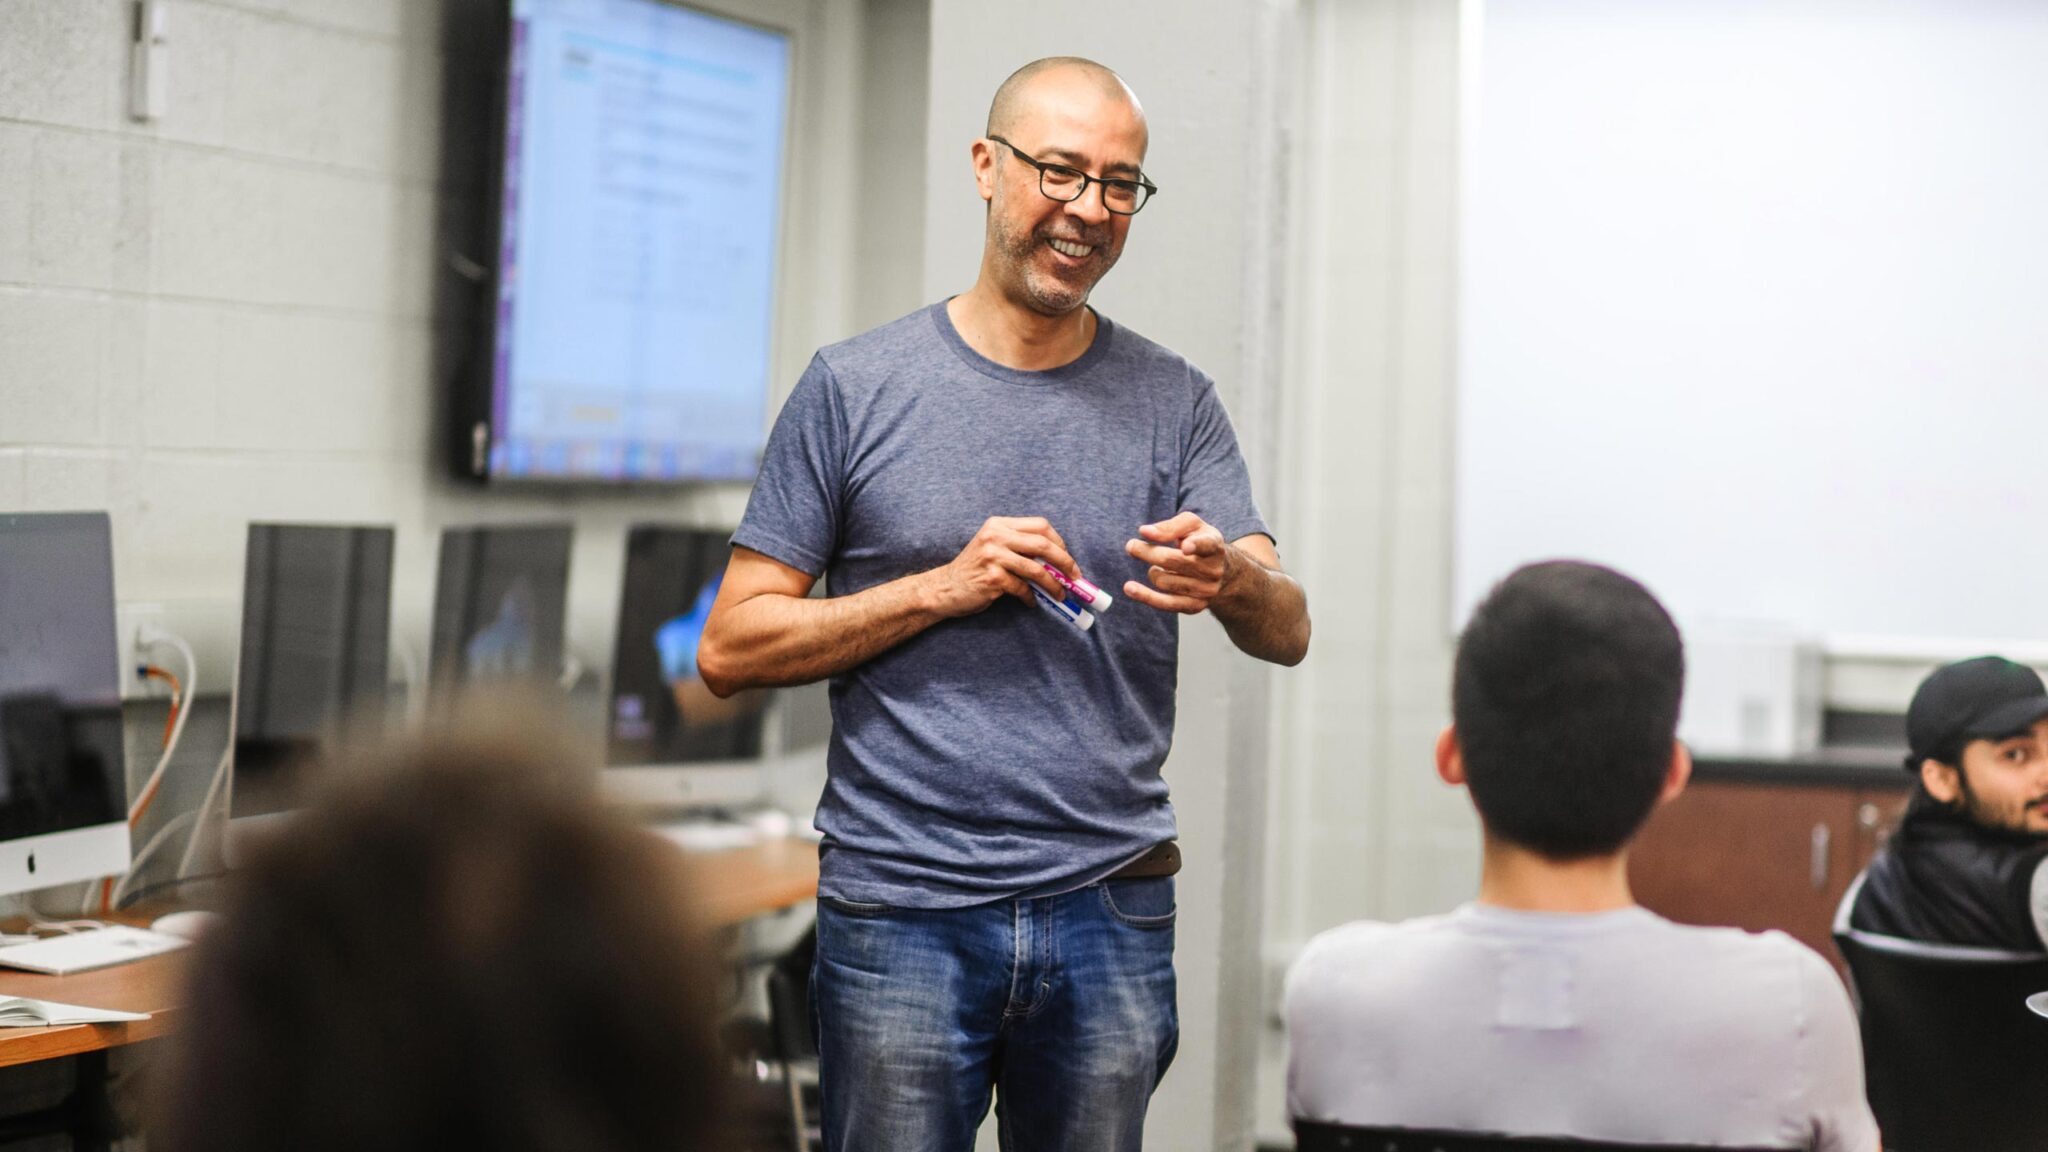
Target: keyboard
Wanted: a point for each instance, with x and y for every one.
(81, 951)
(695, 835)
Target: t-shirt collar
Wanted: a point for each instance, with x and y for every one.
(1097, 348)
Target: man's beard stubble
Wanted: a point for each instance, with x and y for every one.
(1049, 295)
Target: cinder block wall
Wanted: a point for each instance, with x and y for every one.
(245, 310)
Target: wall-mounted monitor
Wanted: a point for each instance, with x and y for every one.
(500, 603)
(638, 207)
(63, 775)
(316, 632)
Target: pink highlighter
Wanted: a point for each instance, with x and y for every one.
(1095, 599)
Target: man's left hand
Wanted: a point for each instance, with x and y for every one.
(1190, 563)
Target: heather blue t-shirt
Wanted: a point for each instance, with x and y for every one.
(1006, 752)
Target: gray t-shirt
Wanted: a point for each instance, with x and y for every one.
(1618, 1026)
(1006, 752)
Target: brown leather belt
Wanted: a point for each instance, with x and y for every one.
(1162, 859)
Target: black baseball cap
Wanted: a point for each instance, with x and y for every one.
(1986, 698)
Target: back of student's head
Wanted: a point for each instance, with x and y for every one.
(1565, 697)
(456, 949)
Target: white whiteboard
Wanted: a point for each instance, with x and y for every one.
(1754, 305)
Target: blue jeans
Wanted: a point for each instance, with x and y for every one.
(1063, 1005)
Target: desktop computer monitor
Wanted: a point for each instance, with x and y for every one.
(667, 738)
(500, 603)
(316, 630)
(660, 711)
(63, 773)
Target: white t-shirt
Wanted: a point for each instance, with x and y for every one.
(1617, 1026)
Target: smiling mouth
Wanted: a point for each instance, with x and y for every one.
(1070, 248)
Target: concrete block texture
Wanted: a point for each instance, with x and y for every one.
(64, 63)
(50, 363)
(376, 19)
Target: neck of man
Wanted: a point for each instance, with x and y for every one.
(1013, 335)
(1513, 877)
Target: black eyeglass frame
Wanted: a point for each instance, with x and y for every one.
(1150, 189)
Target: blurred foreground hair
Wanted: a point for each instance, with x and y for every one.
(455, 947)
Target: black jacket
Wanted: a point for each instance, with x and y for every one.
(1947, 879)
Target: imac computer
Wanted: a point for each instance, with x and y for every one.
(316, 631)
(668, 741)
(500, 604)
(63, 775)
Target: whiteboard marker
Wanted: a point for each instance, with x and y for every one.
(1088, 594)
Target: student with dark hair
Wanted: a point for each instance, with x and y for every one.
(459, 951)
(1969, 864)
(1553, 1005)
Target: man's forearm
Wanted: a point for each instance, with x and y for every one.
(1263, 611)
(772, 641)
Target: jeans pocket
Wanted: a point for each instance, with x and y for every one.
(1144, 903)
(856, 907)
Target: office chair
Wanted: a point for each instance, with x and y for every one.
(1952, 1057)
(782, 1053)
(1312, 1136)
(793, 1044)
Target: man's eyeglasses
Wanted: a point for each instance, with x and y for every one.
(1066, 185)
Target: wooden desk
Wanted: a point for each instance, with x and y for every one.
(155, 985)
(733, 886)
(741, 883)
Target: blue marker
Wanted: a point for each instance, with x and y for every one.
(1067, 608)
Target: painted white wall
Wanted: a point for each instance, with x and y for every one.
(1359, 825)
(889, 236)
(1200, 273)
(1745, 340)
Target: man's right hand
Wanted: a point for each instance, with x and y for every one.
(1005, 558)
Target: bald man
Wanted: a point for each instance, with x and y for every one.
(996, 900)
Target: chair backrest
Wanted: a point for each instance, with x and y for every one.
(789, 1000)
(1952, 1057)
(1312, 1136)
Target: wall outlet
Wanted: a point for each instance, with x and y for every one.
(212, 627)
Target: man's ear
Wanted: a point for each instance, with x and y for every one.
(1450, 758)
(984, 154)
(1942, 781)
(1678, 774)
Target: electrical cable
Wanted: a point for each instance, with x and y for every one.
(179, 715)
(181, 697)
(163, 835)
(215, 786)
(148, 890)
(158, 672)
(415, 687)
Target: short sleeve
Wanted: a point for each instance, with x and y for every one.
(1833, 1057)
(793, 514)
(1215, 484)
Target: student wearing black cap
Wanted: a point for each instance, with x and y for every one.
(1966, 865)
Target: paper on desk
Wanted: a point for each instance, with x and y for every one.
(22, 1012)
